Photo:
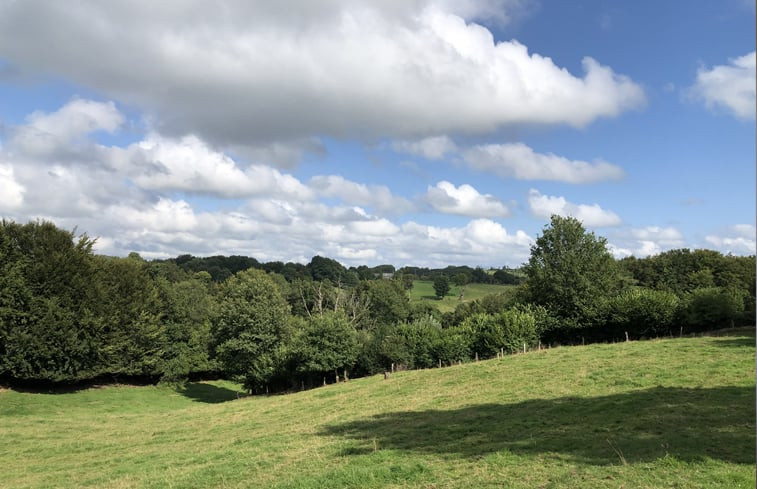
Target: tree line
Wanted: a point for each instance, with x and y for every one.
(69, 315)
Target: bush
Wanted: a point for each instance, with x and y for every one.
(640, 312)
(519, 328)
(712, 308)
(508, 330)
(412, 345)
(452, 345)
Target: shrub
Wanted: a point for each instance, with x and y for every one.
(452, 345)
(712, 308)
(519, 328)
(509, 329)
(640, 312)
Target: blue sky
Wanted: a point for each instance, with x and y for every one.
(416, 132)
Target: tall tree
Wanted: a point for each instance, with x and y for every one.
(252, 328)
(570, 269)
(48, 327)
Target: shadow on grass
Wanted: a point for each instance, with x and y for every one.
(736, 342)
(202, 392)
(640, 426)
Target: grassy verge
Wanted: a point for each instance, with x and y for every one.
(663, 413)
(423, 291)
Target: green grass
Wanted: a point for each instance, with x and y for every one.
(423, 291)
(673, 413)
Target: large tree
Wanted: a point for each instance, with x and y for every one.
(48, 324)
(252, 328)
(570, 270)
(326, 344)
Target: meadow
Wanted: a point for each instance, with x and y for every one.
(661, 413)
(423, 292)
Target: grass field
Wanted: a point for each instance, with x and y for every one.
(423, 291)
(675, 413)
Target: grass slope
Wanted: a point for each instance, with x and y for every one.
(423, 291)
(664, 413)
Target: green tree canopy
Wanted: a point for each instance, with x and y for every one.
(251, 329)
(570, 269)
(441, 286)
(327, 343)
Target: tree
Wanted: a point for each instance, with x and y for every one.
(251, 329)
(461, 278)
(327, 343)
(441, 286)
(570, 270)
(326, 269)
(49, 329)
(386, 300)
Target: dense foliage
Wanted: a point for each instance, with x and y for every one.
(68, 315)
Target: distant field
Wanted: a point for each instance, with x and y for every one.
(423, 291)
(664, 413)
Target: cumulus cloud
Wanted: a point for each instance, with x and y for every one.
(431, 148)
(189, 164)
(60, 135)
(646, 241)
(250, 73)
(377, 197)
(478, 238)
(150, 197)
(516, 160)
(464, 201)
(730, 86)
(739, 238)
(590, 215)
(12, 192)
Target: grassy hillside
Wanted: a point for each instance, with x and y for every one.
(423, 290)
(665, 413)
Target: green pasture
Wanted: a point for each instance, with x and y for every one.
(423, 291)
(675, 413)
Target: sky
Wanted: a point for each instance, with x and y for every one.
(408, 132)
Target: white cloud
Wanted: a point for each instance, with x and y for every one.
(252, 74)
(431, 148)
(516, 160)
(189, 165)
(166, 215)
(744, 230)
(730, 86)
(646, 241)
(464, 201)
(590, 215)
(12, 192)
(739, 239)
(144, 198)
(377, 197)
(58, 133)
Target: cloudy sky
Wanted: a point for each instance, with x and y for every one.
(411, 132)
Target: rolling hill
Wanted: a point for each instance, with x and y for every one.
(662, 413)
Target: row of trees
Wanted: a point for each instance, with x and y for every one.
(320, 268)
(68, 315)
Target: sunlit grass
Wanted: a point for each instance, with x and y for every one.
(664, 413)
(423, 291)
